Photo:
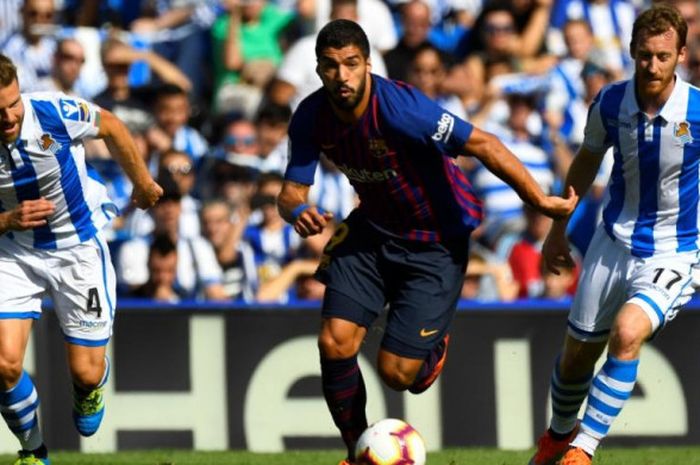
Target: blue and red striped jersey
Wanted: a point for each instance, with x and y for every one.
(399, 157)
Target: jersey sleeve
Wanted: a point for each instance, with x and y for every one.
(80, 117)
(303, 152)
(595, 135)
(413, 115)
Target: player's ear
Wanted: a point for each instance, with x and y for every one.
(682, 54)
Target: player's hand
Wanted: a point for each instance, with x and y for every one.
(146, 196)
(310, 222)
(555, 250)
(30, 214)
(559, 207)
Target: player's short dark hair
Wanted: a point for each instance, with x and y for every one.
(341, 33)
(162, 245)
(657, 20)
(8, 71)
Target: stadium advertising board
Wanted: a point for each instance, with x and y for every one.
(217, 379)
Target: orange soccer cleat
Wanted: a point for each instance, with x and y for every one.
(346, 462)
(575, 456)
(549, 449)
(430, 379)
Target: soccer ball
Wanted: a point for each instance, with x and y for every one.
(390, 442)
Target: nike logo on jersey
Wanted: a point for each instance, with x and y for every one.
(427, 332)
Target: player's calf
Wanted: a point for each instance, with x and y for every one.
(89, 406)
(432, 367)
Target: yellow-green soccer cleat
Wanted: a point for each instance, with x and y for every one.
(88, 411)
(28, 458)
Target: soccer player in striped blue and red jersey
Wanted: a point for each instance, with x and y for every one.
(407, 242)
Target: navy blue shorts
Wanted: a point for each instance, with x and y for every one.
(365, 269)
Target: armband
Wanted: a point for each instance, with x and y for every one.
(299, 210)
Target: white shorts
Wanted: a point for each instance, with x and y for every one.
(612, 276)
(80, 281)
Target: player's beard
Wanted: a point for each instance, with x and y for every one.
(8, 138)
(351, 102)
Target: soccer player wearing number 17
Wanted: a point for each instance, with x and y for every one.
(407, 242)
(642, 265)
(51, 210)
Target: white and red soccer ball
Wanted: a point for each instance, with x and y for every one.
(390, 442)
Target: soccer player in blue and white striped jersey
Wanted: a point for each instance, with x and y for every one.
(407, 242)
(52, 207)
(643, 262)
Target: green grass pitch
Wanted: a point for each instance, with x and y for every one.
(640, 456)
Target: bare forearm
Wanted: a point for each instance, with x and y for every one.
(123, 149)
(174, 17)
(4, 222)
(233, 57)
(167, 71)
(501, 162)
(582, 172)
(291, 197)
(534, 32)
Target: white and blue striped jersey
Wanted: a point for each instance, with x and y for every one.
(652, 202)
(48, 160)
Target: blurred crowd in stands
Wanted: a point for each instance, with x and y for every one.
(207, 88)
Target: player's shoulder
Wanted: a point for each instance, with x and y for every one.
(614, 91)
(56, 104)
(312, 102)
(394, 91)
(307, 113)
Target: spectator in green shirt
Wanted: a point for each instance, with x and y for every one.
(246, 43)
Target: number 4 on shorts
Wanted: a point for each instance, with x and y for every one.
(93, 302)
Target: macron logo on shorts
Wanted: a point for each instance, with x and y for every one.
(444, 128)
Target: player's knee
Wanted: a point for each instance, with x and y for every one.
(334, 347)
(10, 371)
(396, 378)
(88, 376)
(626, 341)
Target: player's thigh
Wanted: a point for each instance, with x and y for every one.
(23, 283)
(662, 285)
(601, 290)
(85, 293)
(349, 268)
(425, 281)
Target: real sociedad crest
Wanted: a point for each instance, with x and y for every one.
(47, 143)
(681, 131)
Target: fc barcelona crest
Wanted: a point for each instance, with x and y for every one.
(681, 131)
(378, 148)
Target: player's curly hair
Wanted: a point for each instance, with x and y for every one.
(340, 33)
(657, 20)
(8, 71)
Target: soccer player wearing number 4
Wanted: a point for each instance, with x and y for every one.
(407, 242)
(642, 265)
(51, 210)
